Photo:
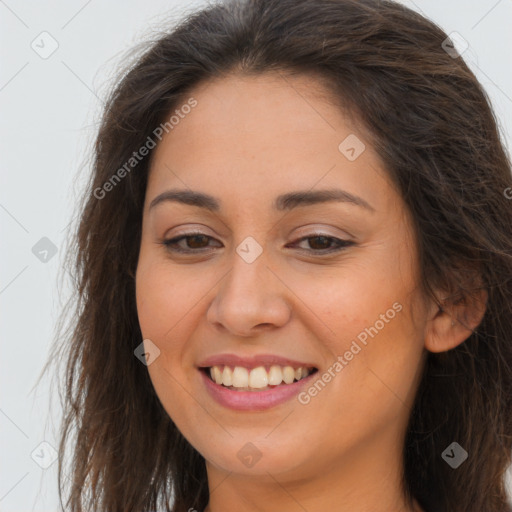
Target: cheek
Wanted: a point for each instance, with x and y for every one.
(165, 312)
(363, 315)
(165, 298)
(350, 299)
(161, 310)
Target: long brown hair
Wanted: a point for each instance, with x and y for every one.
(433, 127)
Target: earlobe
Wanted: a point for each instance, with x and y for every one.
(454, 321)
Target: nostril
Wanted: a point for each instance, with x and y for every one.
(264, 325)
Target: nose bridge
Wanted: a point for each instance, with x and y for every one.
(243, 279)
(250, 295)
(248, 268)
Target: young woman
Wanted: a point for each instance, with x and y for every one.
(294, 273)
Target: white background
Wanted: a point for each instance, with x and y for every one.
(49, 113)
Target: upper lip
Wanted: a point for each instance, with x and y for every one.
(251, 362)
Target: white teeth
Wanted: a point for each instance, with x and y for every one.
(217, 374)
(227, 376)
(240, 377)
(288, 374)
(275, 376)
(257, 378)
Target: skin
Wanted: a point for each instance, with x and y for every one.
(248, 140)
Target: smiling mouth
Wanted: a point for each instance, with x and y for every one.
(260, 378)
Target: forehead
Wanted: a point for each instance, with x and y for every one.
(259, 106)
(240, 116)
(264, 134)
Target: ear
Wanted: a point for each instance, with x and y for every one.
(452, 320)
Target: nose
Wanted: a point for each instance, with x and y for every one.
(250, 299)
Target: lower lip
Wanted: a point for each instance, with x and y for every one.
(253, 400)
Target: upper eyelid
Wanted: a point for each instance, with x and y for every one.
(318, 231)
(342, 243)
(308, 235)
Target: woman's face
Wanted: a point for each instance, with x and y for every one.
(277, 275)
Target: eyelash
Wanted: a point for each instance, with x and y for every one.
(171, 244)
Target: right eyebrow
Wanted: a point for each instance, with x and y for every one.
(189, 197)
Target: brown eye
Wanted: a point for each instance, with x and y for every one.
(194, 243)
(197, 241)
(320, 242)
(323, 244)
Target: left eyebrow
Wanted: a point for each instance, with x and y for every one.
(287, 201)
(306, 197)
